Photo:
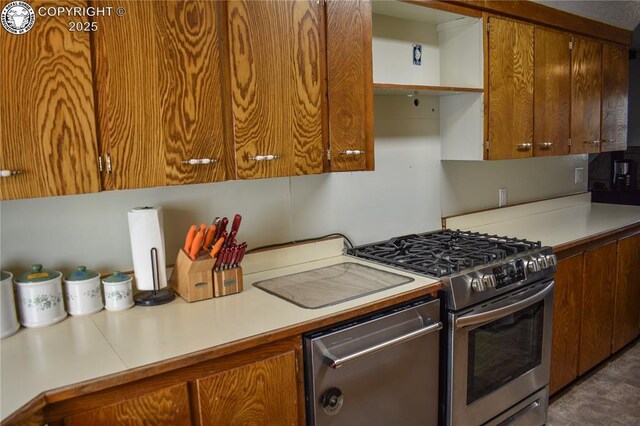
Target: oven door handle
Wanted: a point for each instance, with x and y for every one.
(337, 362)
(488, 316)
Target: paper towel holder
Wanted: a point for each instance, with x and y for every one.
(157, 296)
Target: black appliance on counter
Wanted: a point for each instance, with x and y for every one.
(499, 310)
(624, 175)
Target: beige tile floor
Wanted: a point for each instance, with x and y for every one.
(608, 396)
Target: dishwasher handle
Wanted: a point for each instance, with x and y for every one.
(337, 362)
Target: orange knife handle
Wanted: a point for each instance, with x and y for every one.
(208, 239)
(195, 247)
(216, 247)
(189, 239)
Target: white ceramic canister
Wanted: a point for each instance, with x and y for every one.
(83, 292)
(8, 318)
(40, 297)
(118, 292)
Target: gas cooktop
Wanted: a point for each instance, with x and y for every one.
(442, 253)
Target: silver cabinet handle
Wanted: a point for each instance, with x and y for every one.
(336, 362)
(194, 161)
(485, 317)
(267, 157)
(7, 173)
(524, 146)
(592, 142)
(108, 158)
(545, 145)
(608, 141)
(352, 152)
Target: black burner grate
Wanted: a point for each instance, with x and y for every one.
(442, 253)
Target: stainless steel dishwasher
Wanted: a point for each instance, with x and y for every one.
(379, 370)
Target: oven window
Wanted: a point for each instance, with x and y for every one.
(503, 350)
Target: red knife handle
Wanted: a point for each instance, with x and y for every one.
(231, 240)
(233, 256)
(219, 260)
(236, 223)
(243, 249)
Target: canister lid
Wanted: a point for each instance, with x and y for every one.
(82, 274)
(37, 275)
(4, 275)
(117, 277)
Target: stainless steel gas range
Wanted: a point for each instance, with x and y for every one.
(499, 309)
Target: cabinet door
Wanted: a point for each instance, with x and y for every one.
(567, 310)
(627, 304)
(510, 89)
(160, 93)
(615, 93)
(169, 406)
(350, 82)
(552, 93)
(262, 393)
(597, 306)
(277, 87)
(47, 123)
(586, 81)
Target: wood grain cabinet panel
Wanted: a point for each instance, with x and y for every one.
(47, 123)
(627, 302)
(350, 85)
(259, 393)
(567, 310)
(615, 93)
(597, 307)
(277, 87)
(168, 406)
(511, 83)
(159, 85)
(586, 82)
(552, 93)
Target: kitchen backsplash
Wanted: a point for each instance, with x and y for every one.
(403, 195)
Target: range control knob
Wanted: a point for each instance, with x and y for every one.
(542, 261)
(489, 280)
(533, 265)
(477, 285)
(332, 401)
(552, 260)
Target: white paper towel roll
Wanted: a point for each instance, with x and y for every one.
(146, 232)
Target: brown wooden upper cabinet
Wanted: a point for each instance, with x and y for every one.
(350, 85)
(552, 93)
(615, 93)
(159, 85)
(47, 128)
(277, 87)
(586, 85)
(511, 83)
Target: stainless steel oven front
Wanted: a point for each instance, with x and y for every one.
(499, 354)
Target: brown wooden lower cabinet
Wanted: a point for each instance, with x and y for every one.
(258, 386)
(627, 298)
(567, 312)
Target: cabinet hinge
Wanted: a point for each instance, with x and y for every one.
(569, 141)
(109, 169)
(296, 365)
(571, 45)
(488, 25)
(329, 154)
(487, 144)
(100, 163)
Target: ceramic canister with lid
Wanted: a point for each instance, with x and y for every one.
(118, 292)
(8, 319)
(84, 295)
(40, 297)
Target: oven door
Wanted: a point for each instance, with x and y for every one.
(500, 354)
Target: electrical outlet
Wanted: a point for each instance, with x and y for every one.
(417, 54)
(579, 175)
(502, 197)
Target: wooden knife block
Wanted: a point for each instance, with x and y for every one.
(228, 281)
(192, 279)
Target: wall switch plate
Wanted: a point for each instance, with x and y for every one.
(502, 197)
(417, 54)
(579, 175)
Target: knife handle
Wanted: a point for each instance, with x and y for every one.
(218, 263)
(216, 247)
(208, 239)
(191, 234)
(195, 247)
(243, 249)
(231, 240)
(236, 223)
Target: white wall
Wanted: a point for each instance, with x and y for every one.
(473, 185)
(401, 196)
